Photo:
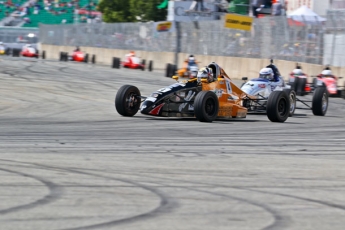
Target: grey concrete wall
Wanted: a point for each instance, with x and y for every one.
(235, 67)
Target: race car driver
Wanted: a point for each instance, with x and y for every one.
(188, 63)
(327, 72)
(206, 73)
(297, 72)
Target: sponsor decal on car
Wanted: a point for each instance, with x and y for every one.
(232, 97)
(153, 99)
(218, 92)
(189, 97)
(225, 112)
(228, 86)
(262, 85)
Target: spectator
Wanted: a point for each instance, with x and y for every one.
(255, 6)
(277, 8)
(195, 5)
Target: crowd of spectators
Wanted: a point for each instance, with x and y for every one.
(26, 9)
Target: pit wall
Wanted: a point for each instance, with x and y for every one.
(235, 67)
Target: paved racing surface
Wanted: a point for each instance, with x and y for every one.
(69, 161)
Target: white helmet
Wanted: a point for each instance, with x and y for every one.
(297, 72)
(326, 72)
(205, 73)
(266, 73)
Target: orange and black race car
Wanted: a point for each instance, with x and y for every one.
(210, 96)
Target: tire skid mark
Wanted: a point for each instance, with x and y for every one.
(55, 193)
(325, 203)
(167, 204)
(273, 225)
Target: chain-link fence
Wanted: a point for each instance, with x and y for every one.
(270, 37)
(18, 35)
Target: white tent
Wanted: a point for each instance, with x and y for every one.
(306, 15)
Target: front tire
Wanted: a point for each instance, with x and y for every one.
(278, 106)
(320, 101)
(127, 100)
(206, 106)
(292, 97)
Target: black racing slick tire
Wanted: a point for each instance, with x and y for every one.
(127, 100)
(167, 70)
(278, 106)
(93, 59)
(150, 67)
(301, 87)
(61, 56)
(295, 84)
(206, 106)
(173, 70)
(320, 101)
(292, 97)
(86, 58)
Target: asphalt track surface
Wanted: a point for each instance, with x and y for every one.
(68, 160)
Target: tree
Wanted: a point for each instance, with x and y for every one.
(116, 11)
(147, 10)
(131, 10)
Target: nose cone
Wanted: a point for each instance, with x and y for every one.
(145, 107)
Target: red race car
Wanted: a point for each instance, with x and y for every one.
(133, 62)
(77, 56)
(29, 51)
(331, 82)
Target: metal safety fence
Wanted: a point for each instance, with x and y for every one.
(270, 37)
(18, 35)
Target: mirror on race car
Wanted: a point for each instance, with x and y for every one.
(175, 77)
(244, 78)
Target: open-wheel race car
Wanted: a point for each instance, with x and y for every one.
(131, 61)
(210, 96)
(76, 55)
(29, 51)
(259, 90)
(299, 82)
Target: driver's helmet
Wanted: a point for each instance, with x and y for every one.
(77, 48)
(132, 54)
(205, 73)
(191, 60)
(326, 72)
(297, 72)
(266, 73)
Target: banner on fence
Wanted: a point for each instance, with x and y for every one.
(238, 22)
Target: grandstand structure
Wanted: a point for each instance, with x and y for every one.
(30, 13)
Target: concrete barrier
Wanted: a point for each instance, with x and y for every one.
(235, 67)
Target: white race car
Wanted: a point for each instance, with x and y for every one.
(270, 80)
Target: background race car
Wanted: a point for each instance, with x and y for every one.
(300, 84)
(77, 56)
(29, 51)
(132, 62)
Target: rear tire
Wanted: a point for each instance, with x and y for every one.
(150, 68)
(301, 87)
(86, 58)
(295, 84)
(206, 106)
(292, 97)
(173, 70)
(278, 106)
(320, 101)
(167, 70)
(127, 100)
